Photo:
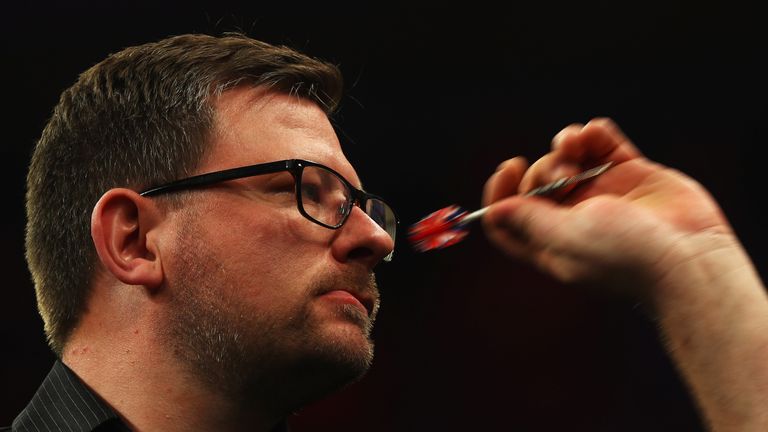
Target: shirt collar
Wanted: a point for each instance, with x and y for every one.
(64, 403)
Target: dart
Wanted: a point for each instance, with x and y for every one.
(449, 225)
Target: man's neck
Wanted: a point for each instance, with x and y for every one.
(147, 387)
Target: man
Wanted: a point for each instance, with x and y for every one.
(220, 303)
(211, 303)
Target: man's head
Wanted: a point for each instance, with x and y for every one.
(235, 264)
(258, 287)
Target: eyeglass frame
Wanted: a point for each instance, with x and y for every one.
(296, 167)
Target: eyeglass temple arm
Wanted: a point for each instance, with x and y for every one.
(219, 176)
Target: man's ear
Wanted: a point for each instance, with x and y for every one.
(122, 228)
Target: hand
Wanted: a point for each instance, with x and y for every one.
(652, 230)
(628, 226)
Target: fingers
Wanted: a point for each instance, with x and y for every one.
(505, 181)
(548, 168)
(577, 148)
(573, 152)
(556, 234)
(598, 141)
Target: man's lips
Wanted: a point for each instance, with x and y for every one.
(364, 303)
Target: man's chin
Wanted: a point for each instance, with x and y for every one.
(343, 343)
(339, 355)
(347, 343)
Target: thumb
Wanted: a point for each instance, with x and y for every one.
(524, 227)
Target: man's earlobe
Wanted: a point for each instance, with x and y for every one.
(121, 224)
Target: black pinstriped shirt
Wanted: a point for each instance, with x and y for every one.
(64, 403)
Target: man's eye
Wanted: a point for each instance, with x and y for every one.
(288, 188)
(281, 186)
(310, 192)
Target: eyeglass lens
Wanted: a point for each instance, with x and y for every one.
(326, 198)
(382, 214)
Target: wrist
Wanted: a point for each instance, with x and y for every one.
(701, 267)
(712, 310)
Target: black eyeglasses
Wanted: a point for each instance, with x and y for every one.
(322, 195)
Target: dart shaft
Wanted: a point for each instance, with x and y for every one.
(477, 214)
(547, 188)
(567, 181)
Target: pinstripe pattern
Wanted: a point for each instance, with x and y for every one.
(64, 403)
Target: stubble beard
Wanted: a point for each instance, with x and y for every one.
(253, 356)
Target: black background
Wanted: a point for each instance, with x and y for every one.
(437, 96)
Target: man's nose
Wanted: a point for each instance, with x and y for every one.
(361, 239)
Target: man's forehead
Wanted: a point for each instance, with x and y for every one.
(255, 125)
(290, 110)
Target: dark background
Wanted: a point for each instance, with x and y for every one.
(437, 96)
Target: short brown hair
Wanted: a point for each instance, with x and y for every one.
(142, 116)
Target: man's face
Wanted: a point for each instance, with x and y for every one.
(261, 297)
